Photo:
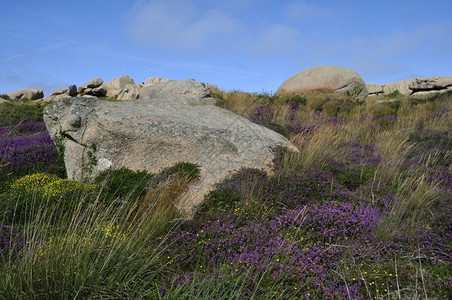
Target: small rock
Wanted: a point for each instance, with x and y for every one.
(99, 91)
(94, 83)
(72, 90)
(59, 92)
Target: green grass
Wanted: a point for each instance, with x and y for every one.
(20, 111)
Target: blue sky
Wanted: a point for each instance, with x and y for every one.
(250, 45)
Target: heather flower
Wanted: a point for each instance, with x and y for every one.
(332, 222)
(362, 154)
(294, 129)
(300, 187)
(27, 127)
(262, 115)
(23, 154)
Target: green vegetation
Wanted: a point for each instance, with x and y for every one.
(123, 183)
(111, 99)
(16, 112)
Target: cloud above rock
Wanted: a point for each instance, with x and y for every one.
(188, 26)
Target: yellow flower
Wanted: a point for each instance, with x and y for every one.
(33, 182)
(59, 187)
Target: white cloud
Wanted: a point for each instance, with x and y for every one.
(179, 25)
(219, 28)
(277, 39)
(400, 42)
(303, 10)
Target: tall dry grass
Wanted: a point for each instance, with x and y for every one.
(416, 197)
(94, 250)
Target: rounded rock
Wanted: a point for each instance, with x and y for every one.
(324, 79)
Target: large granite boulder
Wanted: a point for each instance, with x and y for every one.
(31, 94)
(116, 85)
(159, 130)
(324, 79)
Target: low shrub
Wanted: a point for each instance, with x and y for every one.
(191, 170)
(393, 94)
(34, 182)
(218, 201)
(122, 183)
(277, 128)
(5, 96)
(65, 187)
(352, 177)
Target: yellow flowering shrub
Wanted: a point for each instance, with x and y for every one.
(34, 182)
(64, 186)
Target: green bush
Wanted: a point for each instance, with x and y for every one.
(236, 194)
(216, 202)
(191, 170)
(277, 128)
(353, 94)
(123, 183)
(394, 94)
(5, 96)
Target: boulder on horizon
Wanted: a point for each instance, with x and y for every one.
(93, 88)
(31, 94)
(116, 85)
(324, 79)
(414, 86)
